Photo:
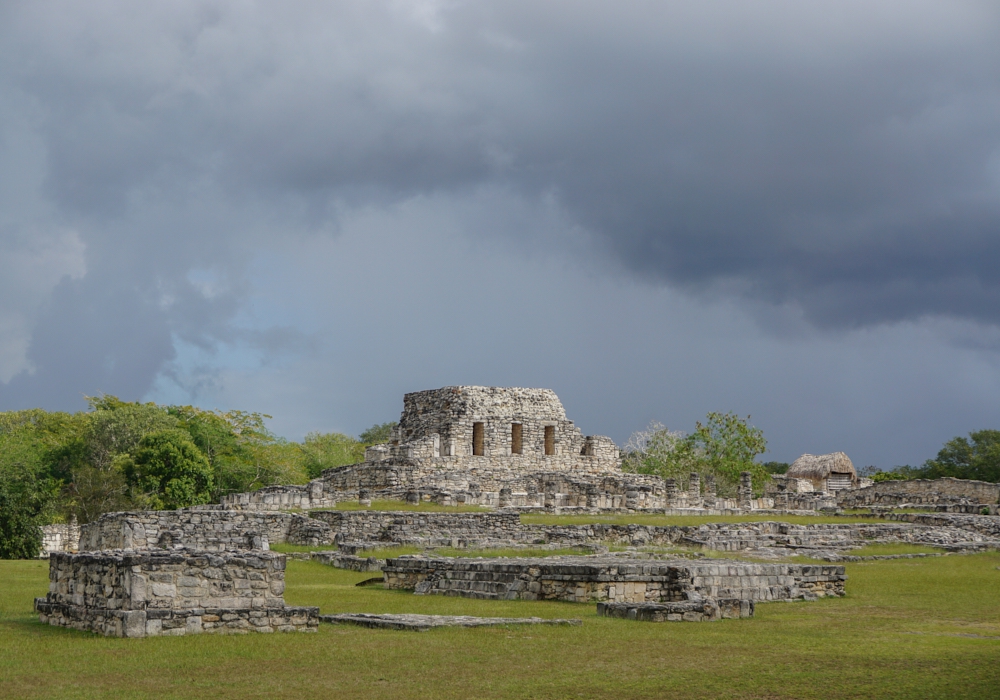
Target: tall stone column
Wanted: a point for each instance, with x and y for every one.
(710, 499)
(671, 487)
(694, 490)
(746, 489)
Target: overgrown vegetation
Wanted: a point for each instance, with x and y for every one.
(121, 455)
(723, 446)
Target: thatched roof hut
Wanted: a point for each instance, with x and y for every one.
(832, 472)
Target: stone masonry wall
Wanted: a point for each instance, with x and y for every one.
(138, 594)
(571, 485)
(450, 413)
(208, 530)
(429, 529)
(61, 537)
(589, 579)
(921, 492)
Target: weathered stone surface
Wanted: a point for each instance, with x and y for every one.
(153, 592)
(220, 530)
(616, 579)
(422, 623)
(428, 529)
(922, 492)
(351, 562)
(527, 448)
(60, 537)
(212, 530)
(707, 610)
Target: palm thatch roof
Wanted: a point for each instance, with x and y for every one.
(818, 467)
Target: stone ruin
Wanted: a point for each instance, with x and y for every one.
(489, 446)
(514, 448)
(209, 568)
(123, 593)
(612, 579)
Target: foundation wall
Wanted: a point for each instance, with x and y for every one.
(579, 579)
(921, 492)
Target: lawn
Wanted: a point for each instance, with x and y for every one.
(909, 628)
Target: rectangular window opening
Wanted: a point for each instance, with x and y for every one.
(477, 439)
(550, 439)
(516, 445)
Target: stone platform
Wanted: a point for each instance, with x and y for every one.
(708, 610)
(158, 592)
(422, 623)
(615, 579)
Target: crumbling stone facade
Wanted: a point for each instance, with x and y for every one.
(155, 592)
(520, 429)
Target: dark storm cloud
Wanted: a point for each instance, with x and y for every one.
(843, 161)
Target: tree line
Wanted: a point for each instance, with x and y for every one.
(974, 457)
(121, 455)
(726, 444)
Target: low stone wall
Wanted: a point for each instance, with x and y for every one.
(771, 535)
(149, 593)
(559, 485)
(208, 530)
(615, 579)
(221, 530)
(988, 526)
(352, 562)
(921, 492)
(426, 529)
(709, 610)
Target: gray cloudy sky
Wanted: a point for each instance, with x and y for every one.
(657, 209)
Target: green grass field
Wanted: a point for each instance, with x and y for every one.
(909, 628)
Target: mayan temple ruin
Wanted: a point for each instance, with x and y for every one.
(509, 451)
(489, 446)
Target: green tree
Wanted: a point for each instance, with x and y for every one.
(729, 445)
(775, 467)
(974, 457)
(244, 454)
(168, 470)
(23, 503)
(377, 434)
(657, 450)
(328, 450)
(92, 455)
(724, 446)
(27, 493)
